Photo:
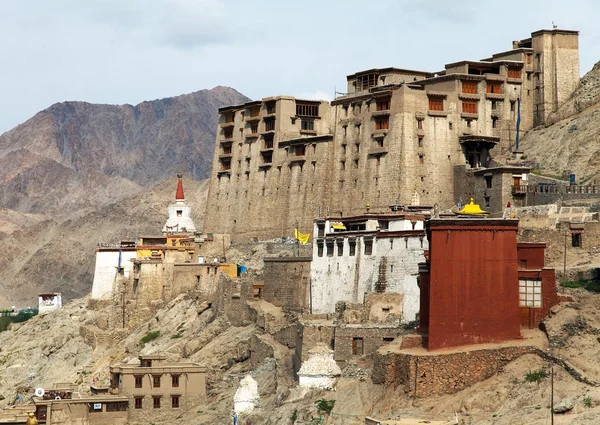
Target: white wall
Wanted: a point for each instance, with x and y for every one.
(106, 269)
(49, 305)
(348, 278)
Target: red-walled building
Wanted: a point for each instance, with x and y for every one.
(478, 285)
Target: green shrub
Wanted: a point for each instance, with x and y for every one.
(573, 284)
(325, 406)
(21, 316)
(587, 402)
(535, 375)
(294, 416)
(150, 336)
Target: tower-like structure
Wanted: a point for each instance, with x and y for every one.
(180, 220)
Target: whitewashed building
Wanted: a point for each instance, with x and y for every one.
(111, 261)
(370, 253)
(49, 302)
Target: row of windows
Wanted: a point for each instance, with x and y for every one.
(156, 380)
(156, 401)
(368, 247)
(380, 105)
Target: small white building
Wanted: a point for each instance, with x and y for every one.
(320, 370)
(49, 302)
(378, 253)
(246, 396)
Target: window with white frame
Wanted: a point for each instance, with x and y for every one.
(530, 293)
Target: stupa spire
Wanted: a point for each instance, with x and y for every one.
(179, 193)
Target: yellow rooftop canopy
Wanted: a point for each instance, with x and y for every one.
(472, 209)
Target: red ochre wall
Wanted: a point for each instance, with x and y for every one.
(473, 282)
(532, 253)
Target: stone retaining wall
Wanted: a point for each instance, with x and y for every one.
(426, 375)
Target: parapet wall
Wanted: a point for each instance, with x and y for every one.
(426, 375)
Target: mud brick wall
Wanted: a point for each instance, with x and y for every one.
(423, 376)
(287, 282)
(372, 339)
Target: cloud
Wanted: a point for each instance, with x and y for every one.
(180, 24)
(316, 95)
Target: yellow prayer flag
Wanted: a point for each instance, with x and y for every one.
(301, 237)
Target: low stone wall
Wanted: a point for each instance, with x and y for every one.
(426, 375)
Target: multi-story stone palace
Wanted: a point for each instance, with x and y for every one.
(396, 137)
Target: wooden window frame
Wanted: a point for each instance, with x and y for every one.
(382, 123)
(469, 107)
(436, 103)
(469, 87)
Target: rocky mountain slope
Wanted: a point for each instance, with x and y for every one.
(48, 255)
(77, 155)
(66, 354)
(77, 174)
(572, 143)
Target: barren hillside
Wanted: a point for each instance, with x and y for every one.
(51, 256)
(26, 362)
(572, 143)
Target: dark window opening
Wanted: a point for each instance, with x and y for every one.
(330, 248)
(320, 249)
(307, 109)
(487, 201)
(357, 347)
(175, 401)
(488, 182)
(156, 381)
(175, 381)
(138, 402)
(307, 125)
(156, 400)
(270, 125)
(340, 248)
(139, 379)
(352, 247)
(368, 246)
(383, 105)
(576, 240)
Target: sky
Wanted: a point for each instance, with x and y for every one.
(128, 51)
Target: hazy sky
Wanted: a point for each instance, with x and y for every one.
(127, 51)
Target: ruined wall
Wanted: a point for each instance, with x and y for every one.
(286, 282)
(372, 337)
(423, 376)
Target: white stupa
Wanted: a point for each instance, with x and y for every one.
(320, 370)
(246, 397)
(180, 220)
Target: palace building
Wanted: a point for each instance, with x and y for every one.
(397, 134)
